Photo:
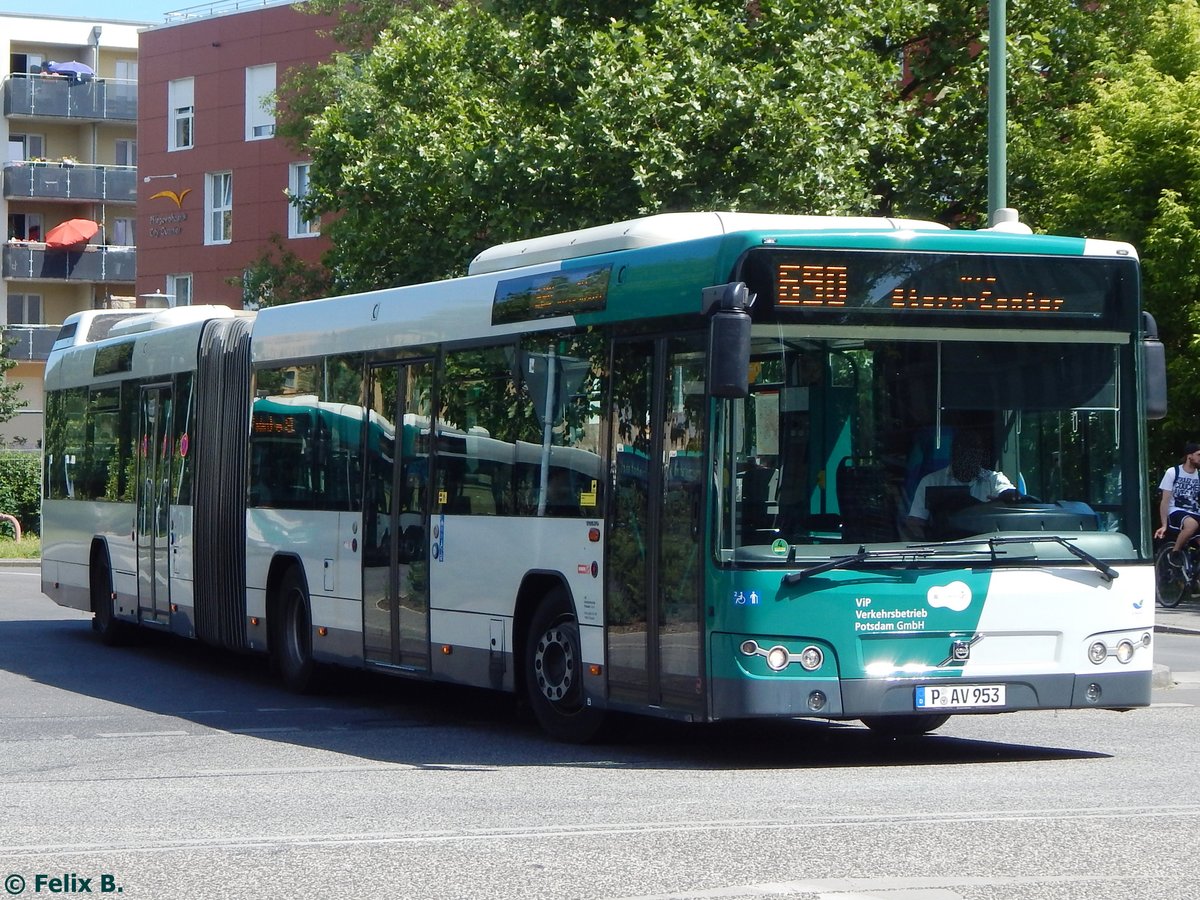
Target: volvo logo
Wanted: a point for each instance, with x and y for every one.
(960, 650)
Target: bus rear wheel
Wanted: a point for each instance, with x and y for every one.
(904, 726)
(554, 672)
(105, 623)
(292, 650)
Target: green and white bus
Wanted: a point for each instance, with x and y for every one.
(677, 466)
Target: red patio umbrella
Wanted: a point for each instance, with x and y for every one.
(71, 233)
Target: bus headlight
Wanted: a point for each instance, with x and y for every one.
(811, 658)
(778, 658)
(1098, 653)
(1124, 652)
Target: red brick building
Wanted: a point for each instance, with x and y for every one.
(214, 181)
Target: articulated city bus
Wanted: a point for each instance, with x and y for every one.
(706, 466)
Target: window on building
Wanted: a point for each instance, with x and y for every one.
(181, 113)
(126, 69)
(260, 102)
(298, 225)
(26, 146)
(126, 154)
(25, 226)
(24, 309)
(218, 203)
(122, 233)
(25, 63)
(179, 290)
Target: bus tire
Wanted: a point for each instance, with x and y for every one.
(904, 726)
(292, 650)
(105, 623)
(553, 668)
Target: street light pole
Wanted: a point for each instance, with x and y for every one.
(997, 110)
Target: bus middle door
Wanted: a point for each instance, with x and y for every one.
(153, 507)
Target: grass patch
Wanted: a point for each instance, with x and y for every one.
(29, 547)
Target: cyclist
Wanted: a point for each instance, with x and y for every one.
(1180, 504)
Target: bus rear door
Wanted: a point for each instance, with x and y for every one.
(396, 519)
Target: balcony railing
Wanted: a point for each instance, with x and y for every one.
(27, 261)
(29, 343)
(97, 100)
(70, 181)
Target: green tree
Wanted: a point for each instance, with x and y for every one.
(10, 402)
(1126, 165)
(279, 276)
(468, 124)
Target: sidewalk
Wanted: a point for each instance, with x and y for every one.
(1183, 619)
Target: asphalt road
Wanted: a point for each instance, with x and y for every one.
(167, 770)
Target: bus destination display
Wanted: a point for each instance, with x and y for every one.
(938, 283)
(551, 294)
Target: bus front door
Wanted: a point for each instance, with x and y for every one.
(153, 508)
(655, 527)
(396, 518)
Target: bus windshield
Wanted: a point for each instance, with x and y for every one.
(852, 441)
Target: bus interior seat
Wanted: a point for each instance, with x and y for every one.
(865, 502)
(756, 497)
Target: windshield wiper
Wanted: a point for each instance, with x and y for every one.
(955, 548)
(923, 551)
(1102, 567)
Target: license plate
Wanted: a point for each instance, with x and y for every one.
(958, 696)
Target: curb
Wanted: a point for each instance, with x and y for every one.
(20, 563)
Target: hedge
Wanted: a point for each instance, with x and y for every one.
(21, 489)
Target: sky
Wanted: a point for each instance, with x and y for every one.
(151, 11)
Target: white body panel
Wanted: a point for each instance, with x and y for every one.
(1080, 598)
(476, 571)
(65, 557)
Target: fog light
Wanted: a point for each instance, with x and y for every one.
(778, 658)
(1093, 693)
(811, 658)
(816, 701)
(1098, 653)
(1124, 652)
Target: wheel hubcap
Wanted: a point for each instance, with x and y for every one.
(554, 664)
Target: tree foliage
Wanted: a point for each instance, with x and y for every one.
(466, 125)
(10, 402)
(1126, 165)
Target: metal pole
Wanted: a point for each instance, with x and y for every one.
(997, 109)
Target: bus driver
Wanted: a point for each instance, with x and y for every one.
(968, 467)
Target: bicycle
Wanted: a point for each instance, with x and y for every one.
(1172, 581)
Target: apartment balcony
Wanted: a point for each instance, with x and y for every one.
(30, 343)
(70, 181)
(31, 261)
(53, 96)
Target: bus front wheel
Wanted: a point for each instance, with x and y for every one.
(554, 672)
(292, 650)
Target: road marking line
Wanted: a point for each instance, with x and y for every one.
(128, 734)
